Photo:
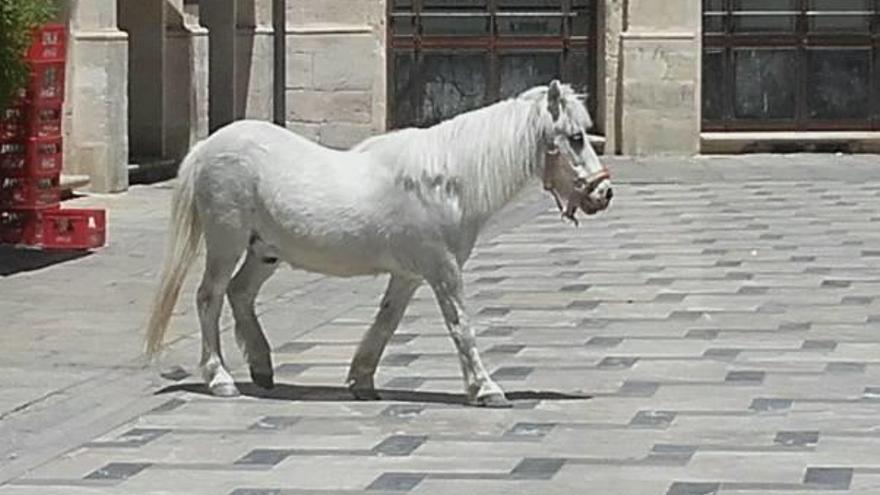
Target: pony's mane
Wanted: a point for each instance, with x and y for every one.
(484, 156)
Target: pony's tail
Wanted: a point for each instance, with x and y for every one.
(183, 246)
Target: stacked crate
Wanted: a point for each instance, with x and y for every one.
(31, 158)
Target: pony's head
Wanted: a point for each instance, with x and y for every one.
(572, 171)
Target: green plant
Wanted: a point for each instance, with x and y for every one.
(17, 19)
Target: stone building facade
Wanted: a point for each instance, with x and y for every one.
(148, 78)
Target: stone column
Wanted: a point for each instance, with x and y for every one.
(219, 16)
(185, 76)
(660, 59)
(610, 26)
(254, 67)
(96, 123)
(145, 24)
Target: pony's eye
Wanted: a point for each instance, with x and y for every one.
(576, 138)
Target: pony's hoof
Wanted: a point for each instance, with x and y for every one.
(365, 393)
(495, 401)
(263, 380)
(225, 390)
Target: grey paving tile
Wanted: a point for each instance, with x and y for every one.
(819, 345)
(400, 445)
(722, 354)
(829, 477)
(275, 422)
(575, 288)
(291, 369)
(264, 457)
(745, 377)
(511, 349)
(753, 290)
(402, 338)
(257, 491)
(617, 362)
(537, 468)
(133, 438)
(795, 326)
(399, 359)
(702, 334)
(402, 410)
(845, 367)
(295, 347)
(653, 419)
(634, 388)
(604, 341)
(693, 488)
(797, 438)
(168, 406)
(512, 373)
(857, 300)
(583, 305)
(498, 332)
(117, 471)
(836, 284)
(531, 430)
(494, 312)
(405, 382)
(768, 405)
(397, 482)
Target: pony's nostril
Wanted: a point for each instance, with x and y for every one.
(609, 194)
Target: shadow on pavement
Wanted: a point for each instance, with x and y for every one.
(15, 260)
(317, 393)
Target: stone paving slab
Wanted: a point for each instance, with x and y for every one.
(713, 333)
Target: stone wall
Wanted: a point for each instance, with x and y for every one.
(336, 90)
(654, 64)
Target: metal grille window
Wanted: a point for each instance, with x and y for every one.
(791, 64)
(451, 56)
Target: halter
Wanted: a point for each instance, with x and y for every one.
(590, 185)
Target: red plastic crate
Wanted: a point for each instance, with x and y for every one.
(35, 157)
(73, 228)
(46, 83)
(55, 228)
(24, 119)
(48, 44)
(21, 227)
(29, 193)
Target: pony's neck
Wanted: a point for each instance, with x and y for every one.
(493, 152)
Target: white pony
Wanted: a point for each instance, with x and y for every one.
(409, 203)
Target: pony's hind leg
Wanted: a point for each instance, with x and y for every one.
(260, 263)
(222, 254)
(363, 366)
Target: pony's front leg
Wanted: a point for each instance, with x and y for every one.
(480, 388)
(363, 366)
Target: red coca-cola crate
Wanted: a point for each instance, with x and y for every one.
(45, 83)
(21, 227)
(34, 157)
(24, 119)
(48, 44)
(54, 228)
(73, 228)
(29, 192)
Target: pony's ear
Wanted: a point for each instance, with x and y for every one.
(554, 99)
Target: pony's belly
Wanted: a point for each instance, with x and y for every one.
(339, 262)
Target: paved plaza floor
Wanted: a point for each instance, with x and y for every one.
(716, 331)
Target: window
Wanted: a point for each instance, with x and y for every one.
(451, 56)
(791, 64)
